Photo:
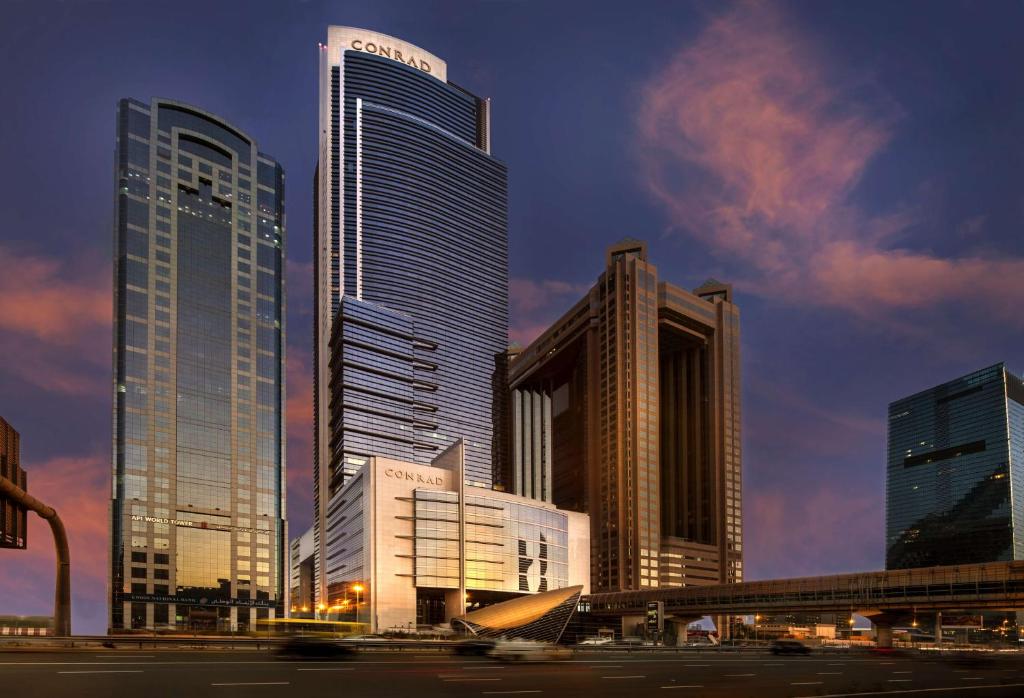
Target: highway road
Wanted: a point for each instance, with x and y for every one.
(87, 673)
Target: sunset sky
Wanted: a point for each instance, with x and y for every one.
(854, 169)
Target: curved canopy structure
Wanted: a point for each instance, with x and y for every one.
(542, 616)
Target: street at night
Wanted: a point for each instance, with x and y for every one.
(154, 673)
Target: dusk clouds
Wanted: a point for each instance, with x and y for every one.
(55, 319)
(755, 144)
(534, 305)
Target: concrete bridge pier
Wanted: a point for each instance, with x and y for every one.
(632, 625)
(883, 635)
(884, 621)
(682, 625)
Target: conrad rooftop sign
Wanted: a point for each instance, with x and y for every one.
(351, 39)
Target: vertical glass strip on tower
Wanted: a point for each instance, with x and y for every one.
(411, 216)
(198, 493)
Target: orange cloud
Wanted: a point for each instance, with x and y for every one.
(754, 147)
(300, 439)
(40, 298)
(55, 323)
(534, 305)
(300, 393)
(811, 534)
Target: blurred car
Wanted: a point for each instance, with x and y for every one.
(313, 648)
(366, 640)
(783, 646)
(597, 641)
(473, 647)
(631, 641)
(890, 652)
(527, 651)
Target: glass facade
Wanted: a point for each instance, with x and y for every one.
(954, 473)
(383, 382)
(410, 215)
(510, 546)
(198, 513)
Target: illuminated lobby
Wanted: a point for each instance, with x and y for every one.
(410, 545)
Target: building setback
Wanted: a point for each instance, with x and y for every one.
(300, 578)
(628, 408)
(955, 473)
(197, 514)
(411, 267)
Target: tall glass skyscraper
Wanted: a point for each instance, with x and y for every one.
(197, 530)
(411, 223)
(955, 474)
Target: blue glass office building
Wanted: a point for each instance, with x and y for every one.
(410, 218)
(955, 475)
(197, 529)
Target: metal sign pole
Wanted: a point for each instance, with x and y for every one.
(62, 595)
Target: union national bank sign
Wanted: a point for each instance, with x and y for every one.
(352, 39)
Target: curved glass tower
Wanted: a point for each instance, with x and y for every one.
(198, 487)
(411, 224)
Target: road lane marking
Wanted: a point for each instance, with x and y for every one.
(830, 673)
(779, 664)
(916, 690)
(497, 693)
(972, 678)
(634, 676)
(103, 671)
(903, 672)
(806, 683)
(254, 683)
(739, 674)
(900, 680)
(327, 668)
(481, 666)
(693, 685)
(467, 678)
(125, 656)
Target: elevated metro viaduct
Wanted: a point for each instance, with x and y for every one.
(887, 598)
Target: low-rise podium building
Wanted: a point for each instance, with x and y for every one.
(410, 545)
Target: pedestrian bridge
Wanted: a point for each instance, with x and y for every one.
(986, 586)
